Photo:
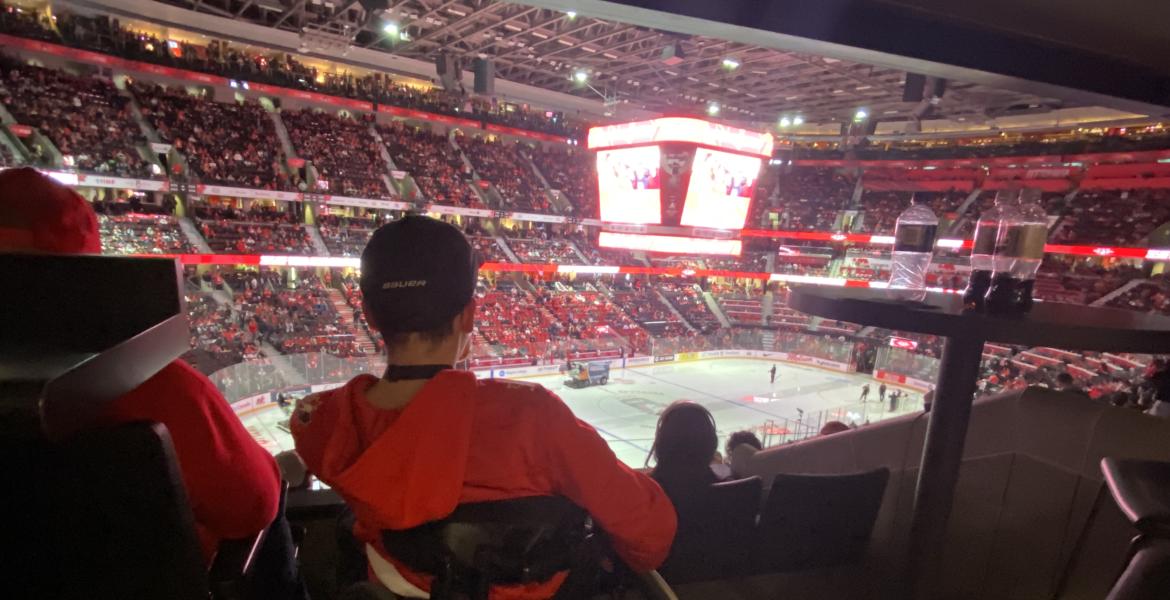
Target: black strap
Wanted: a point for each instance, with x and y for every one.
(401, 372)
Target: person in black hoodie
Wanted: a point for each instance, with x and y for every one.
(684, 445)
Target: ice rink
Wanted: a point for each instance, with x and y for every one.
(736, 391)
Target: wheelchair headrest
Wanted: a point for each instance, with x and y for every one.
(507, 541)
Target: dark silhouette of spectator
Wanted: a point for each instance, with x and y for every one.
(833, 427)
(684, 444)
(232, 482)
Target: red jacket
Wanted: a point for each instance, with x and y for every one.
(461, 439)
(233, 484)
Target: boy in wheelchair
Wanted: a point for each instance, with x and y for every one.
(417, 452)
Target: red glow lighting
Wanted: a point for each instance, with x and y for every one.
(681, 129)
(670, 244)
(903, 343)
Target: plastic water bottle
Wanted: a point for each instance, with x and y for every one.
(983, 249)
(1019, 250)
(914, 237)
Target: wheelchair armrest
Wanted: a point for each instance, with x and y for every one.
(654, 586)
(232, 563)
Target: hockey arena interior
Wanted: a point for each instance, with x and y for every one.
(767, 300)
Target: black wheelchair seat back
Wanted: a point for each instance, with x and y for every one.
(516, 541)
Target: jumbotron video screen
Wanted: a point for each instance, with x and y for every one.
(676, 185)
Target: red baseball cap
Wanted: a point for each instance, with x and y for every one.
(38, 214)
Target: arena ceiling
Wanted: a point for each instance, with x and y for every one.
(624, 63)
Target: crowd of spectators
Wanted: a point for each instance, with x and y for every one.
(217, 339)
(341, 149)
(272, 67)
(543, 251)
(807, 199)
(142, 234)
(501, 164)
(255, 231)
(488, 249)
(1152, 295)
(640, 300)
(353, 297)
(509, 323)
(1080, 280)
(880, 211)
(589, 315)
(433, 162)
(1113, 217)
(689, 301)
(296, 317)
(751, 262)
(347, 235)
(572, 172)
(86, 118)
(224, 143)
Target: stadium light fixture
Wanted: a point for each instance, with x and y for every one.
(797, 121)
(580, 76)
(572, 14)
(391, 28)
(713, 109)
(785, 122)
(730, 64)
(860, 115)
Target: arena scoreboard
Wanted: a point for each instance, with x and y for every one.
(678, 185)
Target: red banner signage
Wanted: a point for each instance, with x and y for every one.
(995, 161)
(18, 130)
(903, 343)
(409, 113)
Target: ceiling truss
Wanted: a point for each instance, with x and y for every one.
(544, 48)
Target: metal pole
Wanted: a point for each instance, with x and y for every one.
(941, 456)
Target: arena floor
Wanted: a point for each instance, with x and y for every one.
(736, 391)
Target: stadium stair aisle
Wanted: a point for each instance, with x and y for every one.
(674, 310)
(290, 375)
(318, 242)
(557, 201)
(716, 310)
(1104, 300)
(193, 236)
(577, 250)
(503, 244)
(767, 304)
(286, 144)
(387, 163)
(365, 343)
(7, 138)
(17, 149)
(136, 113)
(958, 223)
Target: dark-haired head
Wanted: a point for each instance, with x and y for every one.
(685, 437)
(743, 437)
(833, 427)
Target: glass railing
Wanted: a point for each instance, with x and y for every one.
(256, 387)
(909, 364)
(290, 371)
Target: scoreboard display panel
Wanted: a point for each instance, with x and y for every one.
(678, 177)
(629, 185)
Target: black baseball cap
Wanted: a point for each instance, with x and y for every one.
(417, 273)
